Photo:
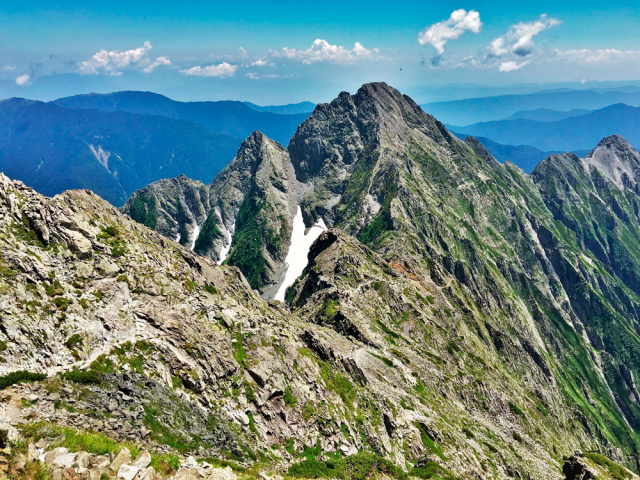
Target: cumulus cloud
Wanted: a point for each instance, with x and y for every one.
(222, 70)
(516, 48)
(159, 62)
(112, 62)
(519, 39)
(9, 68)
(259, 63)
(323, 51)
(440, 33)
(23, 80)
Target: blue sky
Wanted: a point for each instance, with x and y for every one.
(264, 51)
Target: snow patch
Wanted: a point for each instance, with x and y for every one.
(297, 256)
(224, 252)
(178, 237)
(101, 156)
(194, 235)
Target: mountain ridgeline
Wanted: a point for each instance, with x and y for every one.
(457, 318)
(52, 149)
(232, 118)
(575, 133)
(116, 143)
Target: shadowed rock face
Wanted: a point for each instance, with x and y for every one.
(231, 209)
(262, 206)
(176, 208)
(452, 291)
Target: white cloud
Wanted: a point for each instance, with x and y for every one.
(259, 63)
(159, 62)
(440, 33)
(223, 69)
(512, 65)
(519, 39)
(323, 51)
(255, 76)
(111, 62)
(238, 56)
(598, 56)
(9, 68)
(23, 80)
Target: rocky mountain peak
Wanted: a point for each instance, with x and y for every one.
(256, 148)
(617, 160)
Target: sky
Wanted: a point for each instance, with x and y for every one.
(292, 51)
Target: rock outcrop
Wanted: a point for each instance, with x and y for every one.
(257, 199)
(177, 208)
(245, 215)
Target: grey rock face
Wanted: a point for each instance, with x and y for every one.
(177, 208)
(229, 215)
(618, 161)
(264, 217)
(338, 149)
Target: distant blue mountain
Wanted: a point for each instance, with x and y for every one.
(575, 133)
(53, 148)
(474, 110)
(290, 109)
(524, 156)
(229, 117)
(547, 115)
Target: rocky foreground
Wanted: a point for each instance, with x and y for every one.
(458, 319)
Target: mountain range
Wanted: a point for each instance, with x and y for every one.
(524, 156)
(52, 149)
(547, 114)
(484, 109)
(292, 108)
(376, 167)
(439, 314)
(78, 161)
(114, 144)
(574, 133)
(229, 117)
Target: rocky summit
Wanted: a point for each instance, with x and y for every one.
(453, 318)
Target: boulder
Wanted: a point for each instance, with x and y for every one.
(186, 473)
(146, 474)
(575, 469)
(7, 434)
(142, 460)
(78, 243)
(221, 474)
(50, 456)
(124, 457)
(32, 453)
(83, 459)
(100, 463)
(65, 460)
(127, 472)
